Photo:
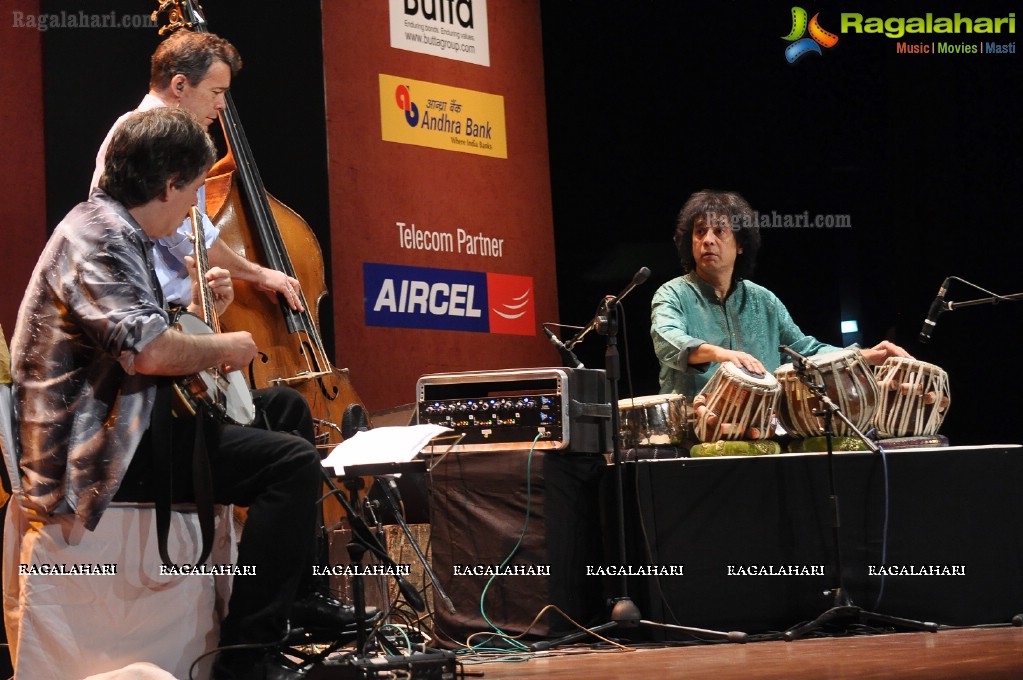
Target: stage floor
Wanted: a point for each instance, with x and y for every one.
(990, 653)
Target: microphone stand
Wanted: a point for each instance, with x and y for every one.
(843, 607)
(354, 421)
(940, 305)
(359, 663)
(608, 305)
(994, 300)
(624, 612)
(364, 540)
(385, 485)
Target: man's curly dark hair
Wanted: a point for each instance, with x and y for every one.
(707, 204)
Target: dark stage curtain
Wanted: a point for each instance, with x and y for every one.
(951, 510)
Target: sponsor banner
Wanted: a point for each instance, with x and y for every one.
(397, 296)
(442, 117)
(450, 29)
(511, 304)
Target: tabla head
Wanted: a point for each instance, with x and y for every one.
(738, 374)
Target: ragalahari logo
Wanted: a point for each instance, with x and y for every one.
(404, 100)
(802, 46)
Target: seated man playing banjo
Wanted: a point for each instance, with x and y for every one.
(92, 344)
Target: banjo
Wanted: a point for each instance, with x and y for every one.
(225, 395)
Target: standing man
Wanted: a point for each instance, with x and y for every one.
(714, 313)
(93, 332)
(193, 71)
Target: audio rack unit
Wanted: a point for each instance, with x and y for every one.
(507, 409)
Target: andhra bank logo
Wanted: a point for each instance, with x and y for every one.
(934, 33)
(397, 296)
(442, 117)
(800, 44)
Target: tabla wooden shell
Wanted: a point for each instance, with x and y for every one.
(848, 382)
(739, 405)
(914, 398)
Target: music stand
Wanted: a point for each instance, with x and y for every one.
(843, 607)
(403, 444)
(384, 473)
(359, 664)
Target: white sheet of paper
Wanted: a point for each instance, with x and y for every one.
(398, 444)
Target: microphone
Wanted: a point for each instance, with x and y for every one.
(565, 351)
(607, 303)
(937, 307)
(801, 362)
(353, 421)
(411, 595)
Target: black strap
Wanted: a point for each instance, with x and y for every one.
(163, 469)
(202, 482)
(163, 466)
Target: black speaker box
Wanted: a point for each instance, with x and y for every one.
(480, 502)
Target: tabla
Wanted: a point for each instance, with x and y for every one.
(655, 420)
(848, 381)
(736, 404)
(914, 398)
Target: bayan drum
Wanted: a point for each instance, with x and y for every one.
(736, 404)
(656, 420)
(848, 381)
(914, 398)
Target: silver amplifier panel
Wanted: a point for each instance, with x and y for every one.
(560, 409)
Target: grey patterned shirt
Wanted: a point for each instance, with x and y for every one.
(92, 304)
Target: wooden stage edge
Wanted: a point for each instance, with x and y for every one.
(994, 653)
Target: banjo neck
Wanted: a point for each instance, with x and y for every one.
(224, 395)
(202, 267)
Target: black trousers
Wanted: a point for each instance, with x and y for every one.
(271, 467)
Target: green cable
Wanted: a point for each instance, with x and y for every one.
(408, 643)
(525, 527)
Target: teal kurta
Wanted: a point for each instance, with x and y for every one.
(686, 313)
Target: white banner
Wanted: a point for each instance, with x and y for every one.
(452, 29)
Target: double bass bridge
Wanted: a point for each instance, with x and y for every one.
(299, 378)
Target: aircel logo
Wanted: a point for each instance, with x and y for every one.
(446, 299)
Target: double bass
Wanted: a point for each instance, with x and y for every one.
(254, 224)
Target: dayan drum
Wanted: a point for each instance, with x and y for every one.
(736, 404)
(914, 398)
(656, 420)
(848, 381)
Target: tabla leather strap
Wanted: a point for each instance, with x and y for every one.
(163, 469)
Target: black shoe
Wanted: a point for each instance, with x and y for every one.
(256, 666)
(317, 610)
